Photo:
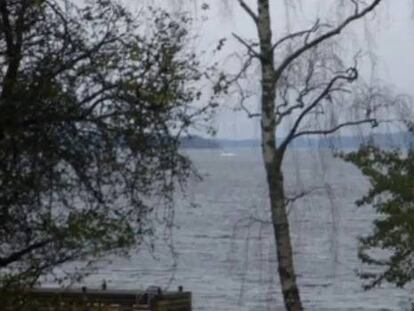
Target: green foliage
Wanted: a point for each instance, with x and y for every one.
(93, 101)
(389, 248)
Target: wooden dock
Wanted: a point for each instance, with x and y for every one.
(84, 299)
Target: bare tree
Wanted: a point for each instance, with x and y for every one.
(302, 81)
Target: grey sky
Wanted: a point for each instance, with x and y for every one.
(392, 32)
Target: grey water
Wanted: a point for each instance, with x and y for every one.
(224, 245)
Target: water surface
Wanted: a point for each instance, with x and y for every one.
(225, 248)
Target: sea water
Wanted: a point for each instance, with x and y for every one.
(223, 247)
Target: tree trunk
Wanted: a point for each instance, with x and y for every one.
(273, 161)
(280, 221)
(284, 250)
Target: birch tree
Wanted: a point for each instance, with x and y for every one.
(301, 81)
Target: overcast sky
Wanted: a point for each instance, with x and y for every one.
(392, 30)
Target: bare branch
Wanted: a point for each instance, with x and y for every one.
(308, 88)
(242, 71)
(281, 114)
(373, 123)
(350, 75)
(234, 80)
(250, 114)
(248, 46)
(307, 32)
(300, 195)
(243, 107)
(330, 34)
(356, 4)
(249, 11)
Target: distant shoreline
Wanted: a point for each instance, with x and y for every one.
(394, 140)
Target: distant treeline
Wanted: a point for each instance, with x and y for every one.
(392, 140)
(198, 142)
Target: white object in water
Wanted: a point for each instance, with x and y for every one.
(227, 154)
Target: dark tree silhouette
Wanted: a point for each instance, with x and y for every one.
(92, 105)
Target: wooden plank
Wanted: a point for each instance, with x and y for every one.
(56, 299)
(125, 297)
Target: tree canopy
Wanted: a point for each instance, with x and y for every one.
(388, 250)
(92, 103)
